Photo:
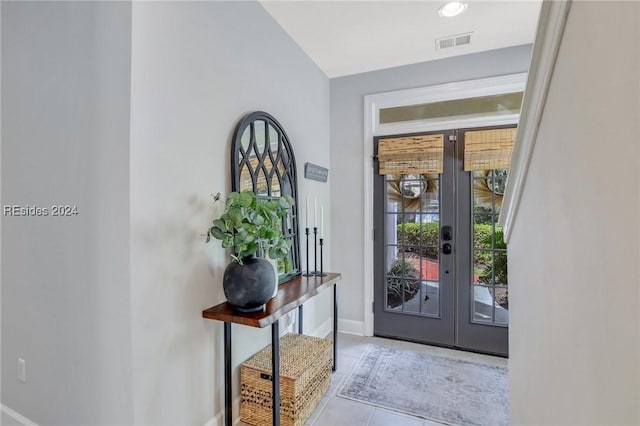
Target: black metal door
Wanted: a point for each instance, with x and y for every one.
(440, 265)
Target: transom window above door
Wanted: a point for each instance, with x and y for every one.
(485, 102)
(500, 104)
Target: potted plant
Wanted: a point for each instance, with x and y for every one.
(251, 226)
(403, 282)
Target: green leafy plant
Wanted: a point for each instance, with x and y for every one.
(499, 261)
(403, 282)
(250, 225)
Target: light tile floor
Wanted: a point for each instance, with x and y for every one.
(333, 410)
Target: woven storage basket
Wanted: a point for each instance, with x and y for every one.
(305, 375)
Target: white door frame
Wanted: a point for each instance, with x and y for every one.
(372, 127)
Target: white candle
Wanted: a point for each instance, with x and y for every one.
(321, 220)
(306, 215)
(315, 212)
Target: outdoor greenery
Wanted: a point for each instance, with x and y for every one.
(403, 282)
(414, 235)
(250, 225)
(422, 239)
(500, 261)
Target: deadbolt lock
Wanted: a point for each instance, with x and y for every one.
(447, 233)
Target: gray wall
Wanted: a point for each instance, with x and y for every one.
(127, 111)
(573, 252)
(65, 280)
(347, 122)
(197, 68)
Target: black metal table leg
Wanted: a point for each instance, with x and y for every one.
(300, 319)
(335, 327)
(228, 410)
(275, 372)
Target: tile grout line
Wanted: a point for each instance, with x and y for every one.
(373, 412)
(327, 400)
(345, 376)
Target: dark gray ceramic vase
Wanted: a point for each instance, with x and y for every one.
(249, 286)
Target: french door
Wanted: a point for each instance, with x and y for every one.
(440, 262)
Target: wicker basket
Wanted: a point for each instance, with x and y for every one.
(305, 375)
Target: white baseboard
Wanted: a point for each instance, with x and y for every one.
(215, 421)
(17, 416)
(323, 329)
(218, 420)
(344, 326)
(351, 327)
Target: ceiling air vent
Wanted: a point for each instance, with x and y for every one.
(453, 41)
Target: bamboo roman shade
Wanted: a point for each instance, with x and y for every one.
(411, 154)
(488, 149)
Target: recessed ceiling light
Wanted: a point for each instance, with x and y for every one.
(453, 8)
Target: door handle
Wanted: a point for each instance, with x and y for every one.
(446, 248)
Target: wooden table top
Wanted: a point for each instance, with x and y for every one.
(291, 294)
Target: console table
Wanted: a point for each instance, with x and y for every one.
(291, 295)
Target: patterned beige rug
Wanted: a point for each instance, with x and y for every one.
(443, 389)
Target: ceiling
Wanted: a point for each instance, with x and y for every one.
(350, 37)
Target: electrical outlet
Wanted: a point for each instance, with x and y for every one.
(22, 370)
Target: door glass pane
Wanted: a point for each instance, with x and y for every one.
(482, 266)
(483, 231)
(483, 303)
(412, 232)
(490, 291)
(502, 299)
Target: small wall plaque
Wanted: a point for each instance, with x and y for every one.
(315, 172)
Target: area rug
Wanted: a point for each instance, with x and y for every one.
(433, 387)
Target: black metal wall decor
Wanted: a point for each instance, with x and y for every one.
(262, 160)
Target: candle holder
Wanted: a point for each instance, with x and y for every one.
(308, 273)
(321, 273)
(315, 251)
